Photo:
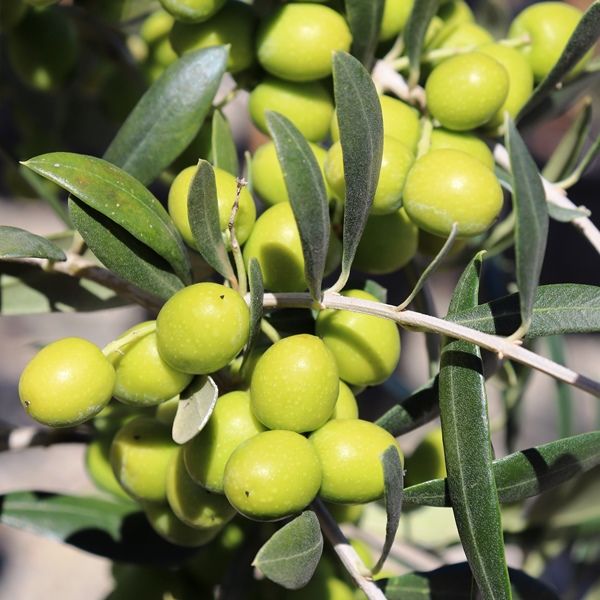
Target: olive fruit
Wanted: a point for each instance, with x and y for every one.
(314, 30)
(156, 26)
(548, 26)
(226, 185)
(66, 383)
(272, 475)
(140, 455)
(295, 384)
(345, 405)
(395, 163)
(395, 17)
(455, 13)
(350, 452)
(143, 378)
(202, 328)
(427, 461)
(464, 141)
(192, 11)
(307, 105)
(462, 35)
(448, 186)
(190, 502)
(234, 25)
(231, 423)
(366, 348)
(388, 243)
(97, 463)
(466, 91)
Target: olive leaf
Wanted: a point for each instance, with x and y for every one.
(364, 19)
(18, 243)
(414, 34)
(223, 150)
(196, 405)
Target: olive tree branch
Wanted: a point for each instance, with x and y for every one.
(20, 438)
(422, 322)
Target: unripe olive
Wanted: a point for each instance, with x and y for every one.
(345, 405)
(163, 53)
(202, 327)
(427, 461)
(267, 176)
(307, 105)
(97, 463)
(395, 164)
(275, 243)
(400, 121)
(66, 383)
(234, 25)
(156, 26)
(461, 35)
(350, 453)
(455, 13)
(395, 16)
(448, 186)
(295, 384)
(166, 411)
(323, 586)
(140, 456)
(548, 25)
(226, 185)
(388, 243)
(272, 475)
(313, 30)
(192, 11)
(113, 416)
(164, 521)
(466, 91)
(430, 244)
(366, 348)
(190, 502)
(143, 378)
(231, 423)
(466, 142)
(346, 513)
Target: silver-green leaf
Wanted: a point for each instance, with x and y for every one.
(223, 149)
(364, 19)
(18, 243)
(414, 34)
(196, 404)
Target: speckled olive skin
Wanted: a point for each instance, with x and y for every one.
(97, 463)
(295, 384)
(427, 461)
(66, 383)
(346, 406)
(400, 121)
(143, 378)
(164, 521)
(395, 16)
(549, 26)
(235, 25)
(296, 43)
(226, 192)
(192, 11)
(202, 328)
(190, 502)
(140, 456)
(520, 78)
(461, 35)
(272, 475)
(267, 176)
(308, 105)
(231, 423)
(447, 186)
(466, 91)
(350, 453)
(466, 142)
(395, 164)
(366, 348)
(388, 243)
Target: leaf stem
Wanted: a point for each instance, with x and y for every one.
(117, 345)
(269, 331)
(235, 247)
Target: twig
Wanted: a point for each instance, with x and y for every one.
(20, 438)
(346, 553)
(235, 247)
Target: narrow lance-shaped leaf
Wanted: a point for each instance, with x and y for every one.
(558, 308)
(531, 227)
(224, 152)
(203, 214)
(306, 191)
(564, 400)
(566, 215)
(292, 554)
(119, 197)
(364, 19)
(583, 38)
(414, 34)
(169, 114)
(361, 136)
(467, 450)
(195, 407)
(18, 243)
(257, 292)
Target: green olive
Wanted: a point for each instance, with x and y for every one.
(66, 383)
(202, 328)
(314, 30)
(97, 463)
(459, 36)
(295, 384)
(388, 243)
(226, 185)
(234, 25)
(464, 141)
(272, 475)
(308, 105)
(455, 13)
(346, 406)
(163, 53)
(448, 186)
(427, 461)
(140, 455)
(192, 11)
(430, 245)
(395, 16)
(231, 423)
(350, 452)
(366, 348)
(166, 411)
(156, 27)
(466, 91)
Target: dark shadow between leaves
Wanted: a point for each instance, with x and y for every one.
(461, 359)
